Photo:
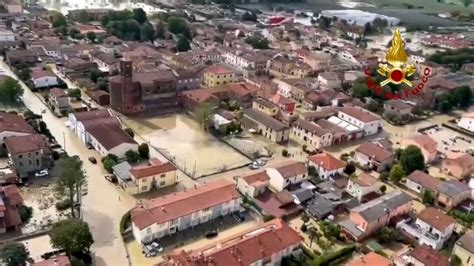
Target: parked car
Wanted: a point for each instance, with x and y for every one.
(156, 246)
(149, 251)
(261, 162)
(211, 234)
(111, 178)
(42, 173)
(238, 217)
(93, 160)
(253, 166)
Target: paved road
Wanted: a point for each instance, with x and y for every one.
(101, 207)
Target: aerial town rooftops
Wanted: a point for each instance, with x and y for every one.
(152, 169)
(58, 93)
(15, 123)
(424, 179)
(219, 70)
(110, 135)
(370, 259)
(292, 169)
(425, 141)
(376, 208)
(365, 180)
(40, 72)
(170, 207)
(436, 218)
(312, 127)
(327, 161)
(256, 179)
(360, 114)
(374, 151)
(265, 119)
(467, 241)
(429, 256)
(27, 143)
(452, 188)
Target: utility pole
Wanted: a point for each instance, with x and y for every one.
(64, 140)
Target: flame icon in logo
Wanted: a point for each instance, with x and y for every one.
(397, 58)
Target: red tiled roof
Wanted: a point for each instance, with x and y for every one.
(168, 208)
(291, 169)
(424, 179)
(312, 127)
(83, 116)
(58, 93)
(12, 193)
(374, 151)
(425, 142)
(365, 180)
(370, 259)
(280, 99)
(256, 178)
(219, 70)
(429, 256)
(327, 161)
(154, 169)
(360, 114)
(110, 135)
(244, 249)
(436, 218)
(14, 123)
(39, 72)
(61, 260)
(27, 143)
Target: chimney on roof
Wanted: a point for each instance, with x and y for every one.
(163, 209)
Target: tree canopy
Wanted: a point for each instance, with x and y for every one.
(71, 235)
(139, 15)
(58, 20)
(412, 159)
(10, 90)
(183, 44)
(70, 178)
(258, 42)
(396, 173)
(179, 26)
(147, 33)
(14, 254)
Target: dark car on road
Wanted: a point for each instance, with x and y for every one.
(211, 234)
(92, 160)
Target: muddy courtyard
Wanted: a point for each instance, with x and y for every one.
(180, 139)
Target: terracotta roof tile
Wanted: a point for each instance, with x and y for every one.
(327, 161)
(429, 256)
(312, 127)
(15, 123)
(110, 135)
(154, 169)
(291, 169)
(256, 178)
(436, 218)
(360, 114)
(370, 259)
(170, 207)
(58, 93)
(424, 179)
(365, 180)
(374, 151)
(425, 142)
(61, 260)
(28, 143)
(219, 70)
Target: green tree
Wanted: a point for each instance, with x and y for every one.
(462, 96)
(385, 235)
(383, 189)
(139, 15)
(58, 20)
(304, 217)
(183, 44)
(466, 3)
(109, 162)
(74, 93)
(324, 22)
(412, 159)
(83, 16)
(70, 178)
(427, 198)
(14, 254)
(10, 90)
(74, 33)
(131, 31)
(312, 233)
(330, 230)
(179, 26)
(25, 212)
(24, 73)
(456, 260)
(130, 132)
(95, 74)
(204, 114)
(132, 156)
(144, 151)
(71, 235)
(396, 173)
(146, 32)
(360, 90)
(258, 42)
(91, 36)
(160, 31)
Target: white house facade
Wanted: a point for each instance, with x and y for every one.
(467, 122)
(46, 81)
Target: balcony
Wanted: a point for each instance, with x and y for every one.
(422, 236)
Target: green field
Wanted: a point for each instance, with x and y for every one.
(429, 6)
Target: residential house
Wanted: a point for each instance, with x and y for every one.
(153, 219)
(289, 173)
(218, 75)
(422, 255)
(102, 131)
(286, 105)
(243, 59)
(60, 260)
(464, 248)
(265, 125)
(361, 118)
(265, 244)
(315, 59)
(254, 184)
(329, 80)
(265, 107)
(420, 182)
(6, 35)
(397, 108)
(467, 121)
(12, 125)
(28, 154)
(27, 57)
(326, 165)
(431, 227)
(311, 134)
(278, 204)
(145, 177)
(374, 156)
(282, 64)
(458, 164)
(425, 143)
(362, 185)
(366, 219)
(370, 259)
(59, 100)
(10, 199)
(451, 193)
(43, 78)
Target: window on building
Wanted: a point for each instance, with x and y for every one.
(29, 162)
(162, 175)
(21, 164)
(37, 162)
(162, 183)
(29, 154)
(20, 156)
(144, 188)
